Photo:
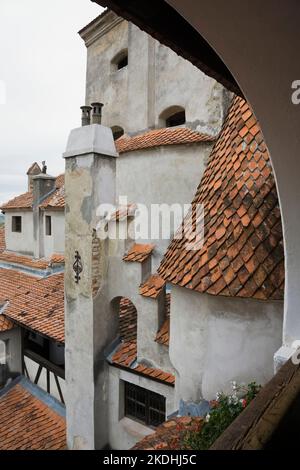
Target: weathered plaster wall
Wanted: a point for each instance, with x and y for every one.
(20, 242)
(219, 339)
(54, 243)
(123, 431)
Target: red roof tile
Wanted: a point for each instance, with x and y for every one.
(27, 423)
(161, 137)
(152, 287)
(139, 252)
(2, 239)
(171, 434)
(35, 303)
(163, 335)
(242, 253)
(126, 355)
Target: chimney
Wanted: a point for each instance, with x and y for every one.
(86, 115)
(97, 113)
(32, 171)
(43, 186)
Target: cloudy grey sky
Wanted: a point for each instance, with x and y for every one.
(42, 80)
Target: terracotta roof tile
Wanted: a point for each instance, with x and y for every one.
(171, 434)
(25, 201)
(35, 303)
(161, 137)
(27, 422)
(22, 260)
(123, 212)
(126, 355)
(243, 243)
(139, 252)
(152, 287)
(2, 239)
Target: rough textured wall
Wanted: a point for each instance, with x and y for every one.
(151, 177)
(217, 339)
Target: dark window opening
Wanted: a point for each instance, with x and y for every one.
(122, 63)
(43, 347)
(117, 132)
(16, 224)
(145, 406)
(48, 224)
(176, 119)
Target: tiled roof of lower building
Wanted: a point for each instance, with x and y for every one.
(242, 254)
(161, 137)
(171, 434)
(139, 252)
(34, 303)
(30, 418)
(125, 356)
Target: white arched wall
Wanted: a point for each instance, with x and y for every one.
(259, 42)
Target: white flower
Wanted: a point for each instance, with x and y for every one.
(207, 418)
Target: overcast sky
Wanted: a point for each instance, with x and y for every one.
(42, 84)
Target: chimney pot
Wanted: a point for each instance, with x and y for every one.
(86, 115)
(97, 113)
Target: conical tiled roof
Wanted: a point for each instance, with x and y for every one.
(242, 253)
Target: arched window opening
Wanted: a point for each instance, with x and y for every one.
(173, 116)
(117, 132)
(120, 60)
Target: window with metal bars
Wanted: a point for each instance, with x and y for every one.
(145, 406)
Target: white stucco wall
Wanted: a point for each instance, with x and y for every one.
(216, 339)
(54, 243)
(124, 432)
(135, 96)
(20, 242)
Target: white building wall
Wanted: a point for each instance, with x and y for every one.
(216, 339)
(125, 432)
(150, 176)
(19, 242)
(155, 79)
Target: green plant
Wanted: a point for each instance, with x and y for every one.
(224, 410)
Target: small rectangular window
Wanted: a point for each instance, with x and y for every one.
(48, 225)
(16, 224)
(145, 406)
